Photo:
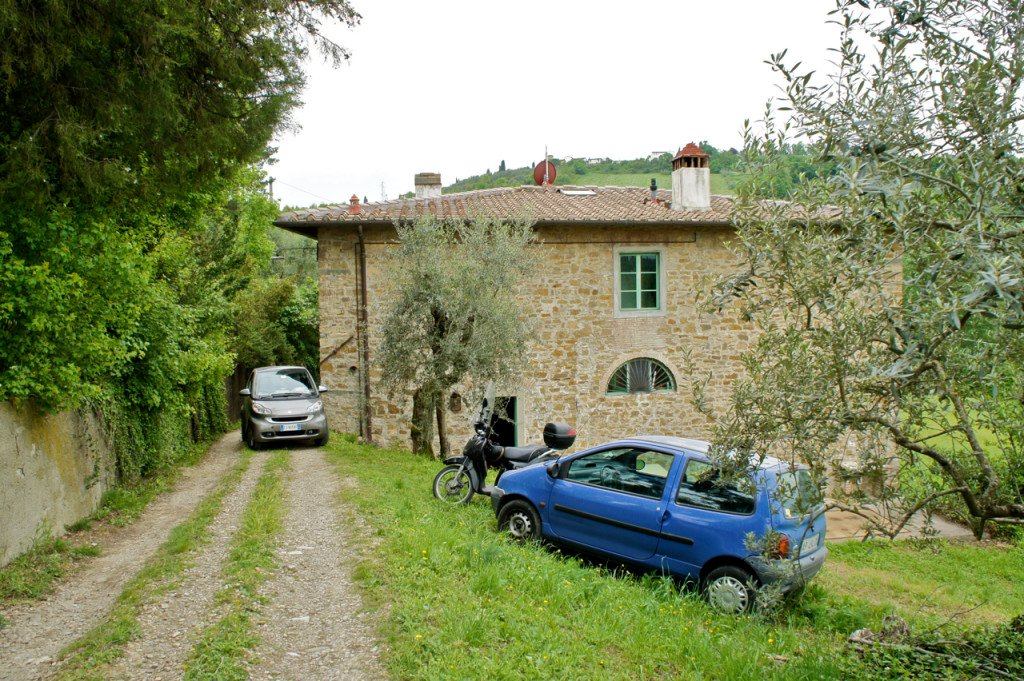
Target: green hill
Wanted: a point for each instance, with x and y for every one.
(608, 173)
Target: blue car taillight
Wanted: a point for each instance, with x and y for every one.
(779, 547)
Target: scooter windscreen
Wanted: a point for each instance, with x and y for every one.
(487, 407)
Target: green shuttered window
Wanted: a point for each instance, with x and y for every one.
(639, 278)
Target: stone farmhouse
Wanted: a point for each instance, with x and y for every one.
(613, 300)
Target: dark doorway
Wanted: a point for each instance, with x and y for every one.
(503, 422)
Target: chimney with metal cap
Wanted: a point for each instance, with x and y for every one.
(691, 179)
(428, 185)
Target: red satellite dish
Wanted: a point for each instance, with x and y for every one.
(542, 168)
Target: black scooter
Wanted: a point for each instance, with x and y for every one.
(463, 476)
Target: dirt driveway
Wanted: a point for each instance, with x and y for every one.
(311, 623)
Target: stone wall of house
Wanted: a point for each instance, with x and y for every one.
(579, 340)
(339, 347)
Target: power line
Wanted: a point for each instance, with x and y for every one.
(304, 191)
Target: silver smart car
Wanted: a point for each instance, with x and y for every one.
(282, 404)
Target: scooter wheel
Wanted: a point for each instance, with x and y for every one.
(452, 485)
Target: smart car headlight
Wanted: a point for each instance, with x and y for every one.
(316, 407)
(262, 409)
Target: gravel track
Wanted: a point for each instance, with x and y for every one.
(39, 630)
(167, 623)
(314, 626)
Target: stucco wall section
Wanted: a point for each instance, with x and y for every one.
(53, 471)
(579, 340)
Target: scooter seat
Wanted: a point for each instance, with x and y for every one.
(524, 454)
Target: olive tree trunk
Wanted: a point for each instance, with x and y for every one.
(442, 431)
(422, 430)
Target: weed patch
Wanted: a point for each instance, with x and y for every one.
(988, 652)
(34, 573)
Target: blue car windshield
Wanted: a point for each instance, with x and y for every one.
(284, 384)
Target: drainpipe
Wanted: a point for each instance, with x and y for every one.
(364, 327)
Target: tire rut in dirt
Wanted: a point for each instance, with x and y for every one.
(313, 627)
(167, 624)
(40, 630)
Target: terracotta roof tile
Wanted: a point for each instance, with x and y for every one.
(552, 204)
(691, 149)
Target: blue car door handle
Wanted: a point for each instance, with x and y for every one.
(665, 516)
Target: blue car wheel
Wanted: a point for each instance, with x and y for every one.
(520, 519)
(729, 590)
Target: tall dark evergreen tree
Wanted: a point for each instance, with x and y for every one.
(124, 121)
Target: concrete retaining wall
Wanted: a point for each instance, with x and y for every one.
(53, 470)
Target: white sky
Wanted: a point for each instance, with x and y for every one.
(456, 86)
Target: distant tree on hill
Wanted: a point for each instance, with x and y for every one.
(501, 167)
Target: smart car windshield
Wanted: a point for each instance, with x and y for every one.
(283, 384)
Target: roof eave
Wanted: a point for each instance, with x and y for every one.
(310, 228)
(307, 229)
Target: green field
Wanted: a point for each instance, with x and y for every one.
(463, 602)
(720, 184)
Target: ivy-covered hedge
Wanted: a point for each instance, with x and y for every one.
(130, 220)
(139, 322)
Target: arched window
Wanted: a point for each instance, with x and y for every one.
(642, 375)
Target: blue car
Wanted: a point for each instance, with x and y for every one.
(656, 502)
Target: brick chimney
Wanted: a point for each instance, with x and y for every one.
(428, 185)
(691, 179)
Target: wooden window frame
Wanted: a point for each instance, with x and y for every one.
(637, 251)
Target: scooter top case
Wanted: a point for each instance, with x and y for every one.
(559, 435)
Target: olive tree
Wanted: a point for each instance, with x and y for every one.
(889, 292)
(455, 315)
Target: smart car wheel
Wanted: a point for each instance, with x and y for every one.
(728, 589)
(253, 443)
(452, 484)
(520, 520)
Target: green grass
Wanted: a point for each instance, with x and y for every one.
(222, 650)
(462, 602)
(929, 582)
(87, 657)
(720, 184)
(33, 574)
